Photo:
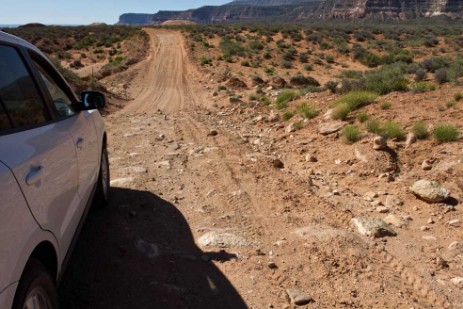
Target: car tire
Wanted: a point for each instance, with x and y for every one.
(102, 190)
(36, 288)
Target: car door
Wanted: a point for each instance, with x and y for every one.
(81, 128)
(38, 148)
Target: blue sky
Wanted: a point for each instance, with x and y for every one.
(87, 11)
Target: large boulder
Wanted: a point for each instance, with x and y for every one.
(430, 191)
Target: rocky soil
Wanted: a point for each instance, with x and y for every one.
(219, 205)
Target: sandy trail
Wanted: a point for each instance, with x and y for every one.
(174, 184)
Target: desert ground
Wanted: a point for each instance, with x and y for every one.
(220, 204)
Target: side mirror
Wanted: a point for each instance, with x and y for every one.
(92, 100)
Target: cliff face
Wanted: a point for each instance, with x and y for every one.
(300, 10)
(135, 19)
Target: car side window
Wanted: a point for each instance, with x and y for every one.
(21, 103)
(61, 101)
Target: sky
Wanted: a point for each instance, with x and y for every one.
(81, 12)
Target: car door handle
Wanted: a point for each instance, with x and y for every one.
(79, 143)
(35, 174)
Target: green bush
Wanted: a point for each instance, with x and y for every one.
(350, 134)
(420, 129)
(393, 130)
(373, 126)
(284, 97)
(441, 75)
(205, 61)
(387, 79)
(285, 64)
(307, 110)
(287, 115)
(446, 133)
(357, 99)
(457, 96)
(341, 111)
(362, 117)
(385, 105)
(308, 67)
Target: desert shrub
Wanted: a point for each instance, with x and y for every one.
(420, 74)
(307, 110)
(389, 78)
(385, 105)
(450, 104)
(286, 64)
(357, 99)
(362, 117)
(284, 97)
(420, 129)
(341, 111)
(303, 57)
(393, 130)
(373, 126)
(431, 41)
(245, 63)
(301, 80)
(434, 63)
(205, 61)
(350, 134)
(420, 87)
(446, 133)
(230, 48)
(441, 75)
(287, 115)
(329, 59)
(308, 67)
(352, 74)
(457, 96)
(331, 86)
(265, 100)
(256, 45)
(455, 71)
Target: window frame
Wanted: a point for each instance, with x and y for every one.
(25, 54)
(57, 78)
(49, 116)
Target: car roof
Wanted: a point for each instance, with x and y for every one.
(9, 38)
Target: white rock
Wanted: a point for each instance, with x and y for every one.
(379, 143)
(134, 170)
(454, 222)
(298, 297)
(222, 239)
(455, 246)
(330, 127)
(374, 227)
(393, 201)
(121, 182)
(395, 221)
(457, 281)
(430, 191)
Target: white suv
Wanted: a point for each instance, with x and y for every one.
(53, 166)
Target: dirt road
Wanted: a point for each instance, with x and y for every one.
(206, 216)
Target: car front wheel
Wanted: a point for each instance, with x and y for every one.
(36, 289)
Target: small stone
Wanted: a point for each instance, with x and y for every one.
(330, 127)
(382, 209)
(457, 281)
(272, 265)
(273, 117)
(371, 194)
(424, 228)
(455, 246)
(430, 191)
(291, 128)
(374, 227)
(454, 223)
(379, 143)
(298, 297)
(426, 165)
(311, 158)
(393, 201)
(430, 221)
(395, 221)
(411, 138)
(376, 203)
(161, 137)
(213, 132)
(277, 163)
